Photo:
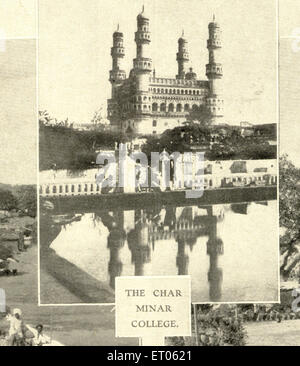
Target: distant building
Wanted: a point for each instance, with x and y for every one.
(246, 124)
(146, 104)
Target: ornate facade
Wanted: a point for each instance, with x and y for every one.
(146, 104)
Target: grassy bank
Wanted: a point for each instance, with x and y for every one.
(272, 333)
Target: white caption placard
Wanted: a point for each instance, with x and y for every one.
(153, 306)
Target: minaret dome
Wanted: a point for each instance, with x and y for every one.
(142, 14)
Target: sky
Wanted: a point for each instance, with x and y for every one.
(75, 38)
(289, 79)
(18, 121)
(18, 18)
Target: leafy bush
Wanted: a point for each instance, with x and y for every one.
(230, 145)
(22, 198)
(66, 148)
(7, 200)
(27, 200)
(221, 326)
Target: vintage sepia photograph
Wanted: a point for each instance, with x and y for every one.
(22, 321)
(149, 138)
(158, 147)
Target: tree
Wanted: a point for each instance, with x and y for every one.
(27, 200)
(289, 204)
(44, 118)
(98, 120)
(201, 115)
(7, 200)
(220, 325)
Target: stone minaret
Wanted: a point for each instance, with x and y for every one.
(117, 75)
(214, 72)
(182, 57)
(142, 64)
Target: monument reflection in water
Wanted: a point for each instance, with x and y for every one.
(230, 251)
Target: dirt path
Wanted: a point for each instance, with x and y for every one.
(76, 325)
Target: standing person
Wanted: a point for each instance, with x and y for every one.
(138, 174)
(15, 334)
(21, 241)
(100, 176)
(3, 340)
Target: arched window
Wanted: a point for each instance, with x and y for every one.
(182, 91)
(186, 107)
(186, 92)
(154, 90)
(197, 92)
(171, 107)
(179, 108)
(174, 91)
(162, 107)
